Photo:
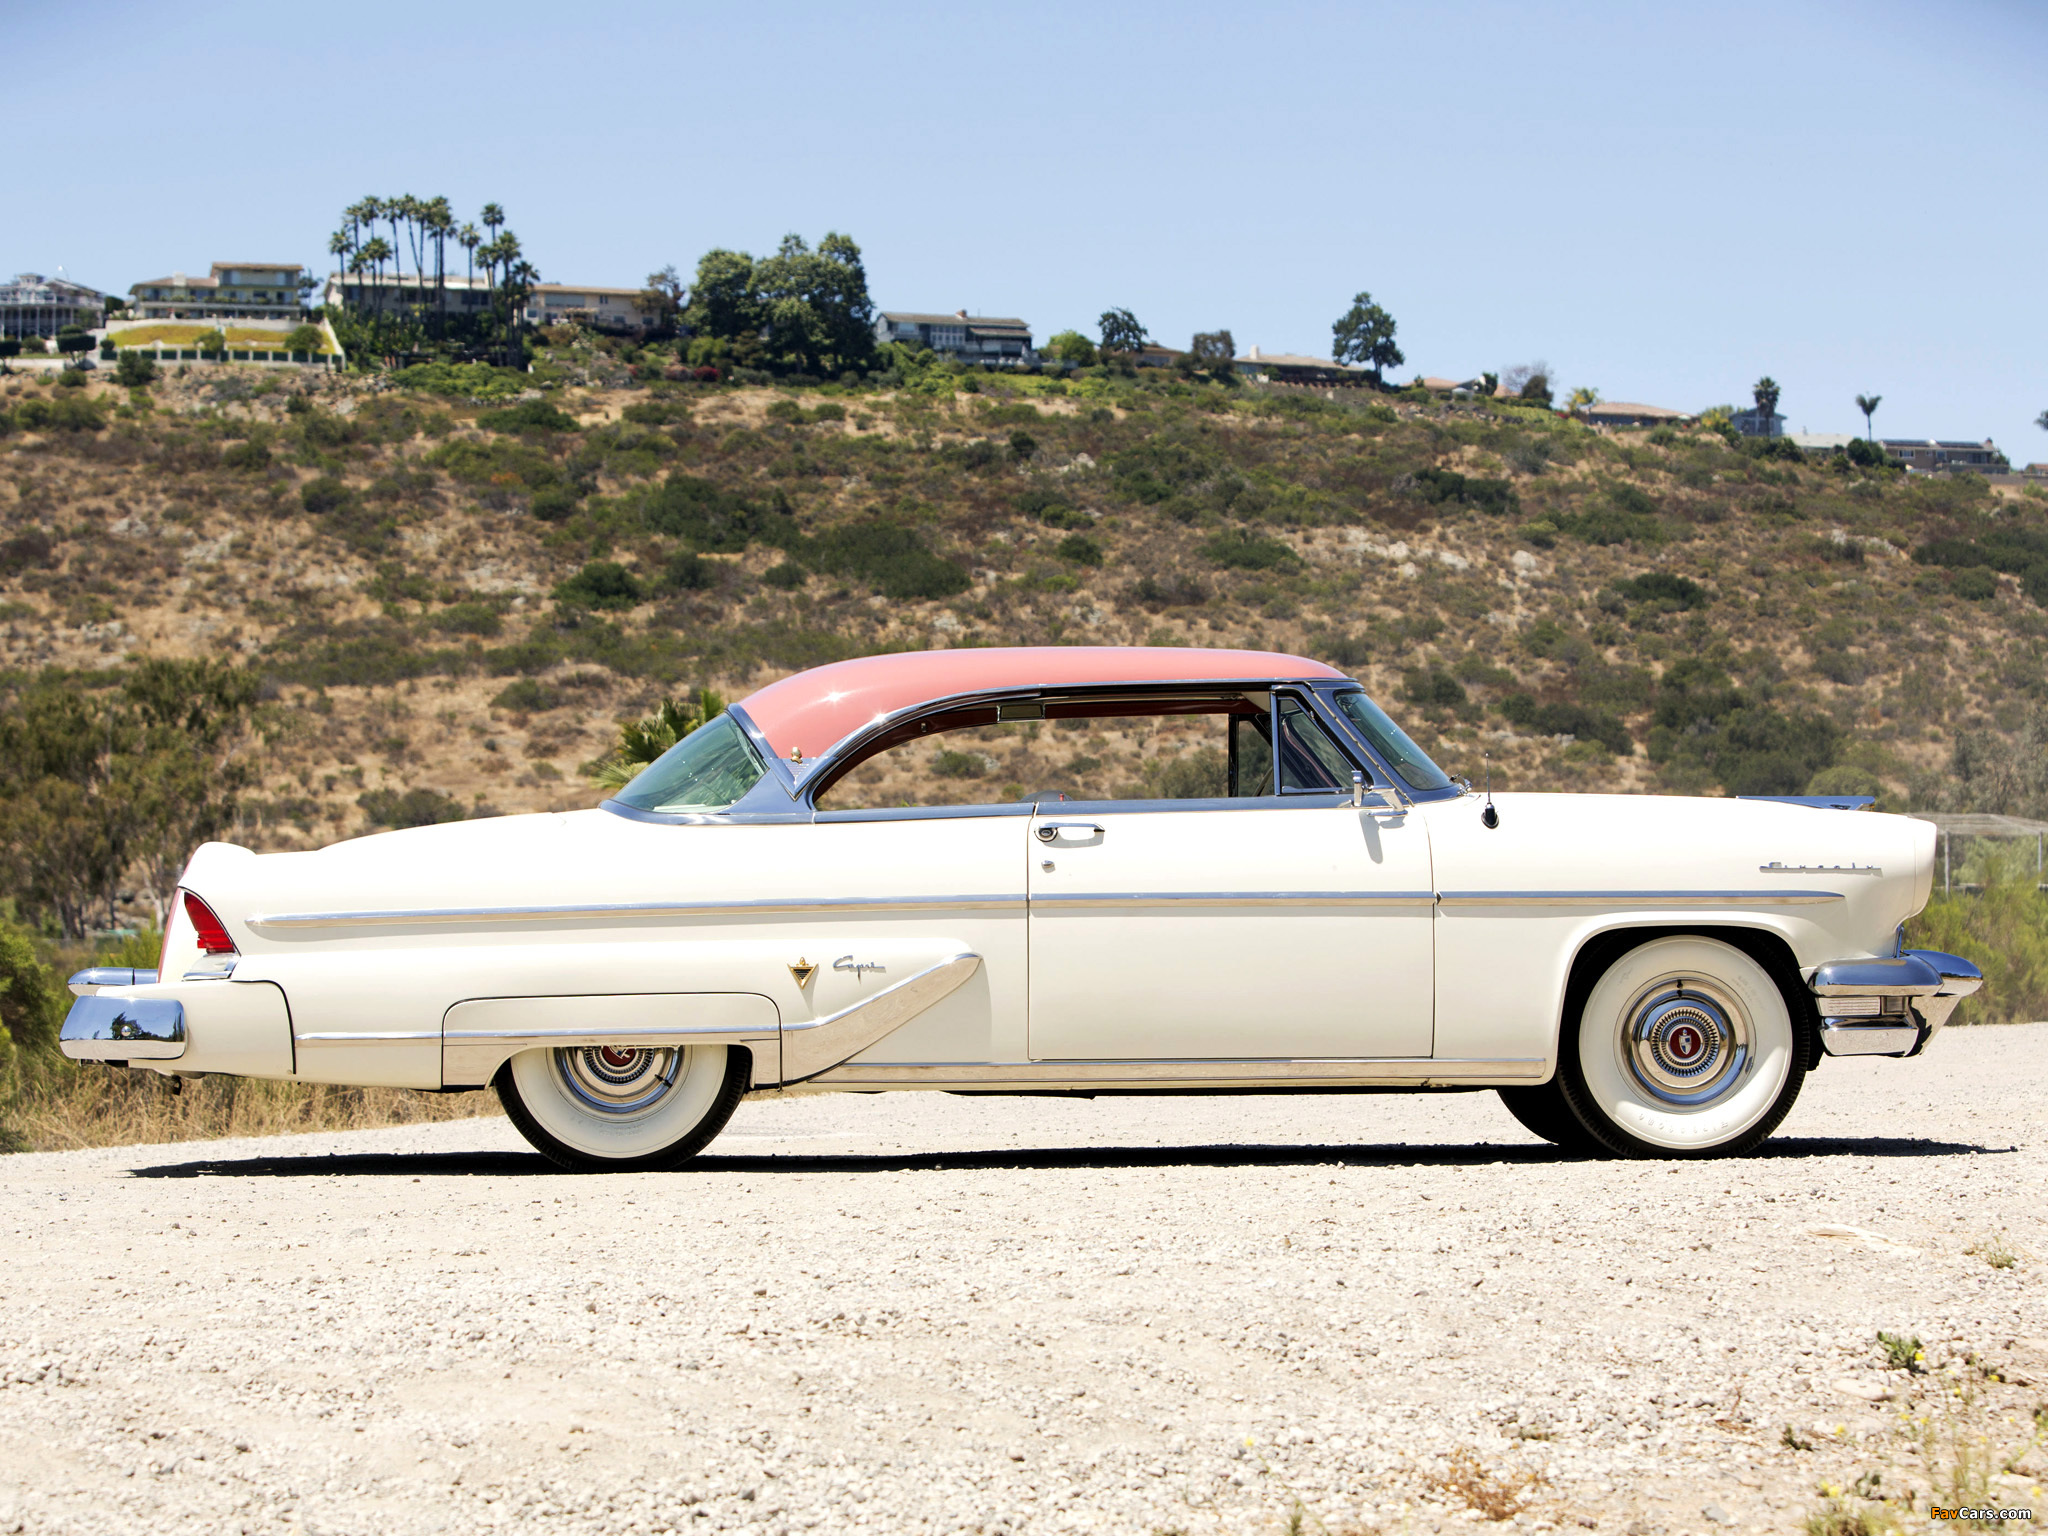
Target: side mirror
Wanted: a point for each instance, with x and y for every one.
(1357, 787)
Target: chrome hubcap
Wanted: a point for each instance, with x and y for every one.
(617, 1079)
(1686, 1042)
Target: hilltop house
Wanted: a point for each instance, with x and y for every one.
(602, 309)
(1822, 444)
(236, 290)
(1753, 423)
(381, 292)
(1457, 389)
(1293, 368)
(982, 340)
(1626, 413)
(1926, 454)
(34, 305)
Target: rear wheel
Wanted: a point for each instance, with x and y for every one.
(615, 1108)
(1685, 1048)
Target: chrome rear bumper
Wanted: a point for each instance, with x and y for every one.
(123, 1029)
(1890, 1007)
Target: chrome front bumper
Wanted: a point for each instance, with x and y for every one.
(1890, 1007)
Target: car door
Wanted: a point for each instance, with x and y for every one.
(1279, 922)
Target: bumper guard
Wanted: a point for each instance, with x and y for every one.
(1890, 1007)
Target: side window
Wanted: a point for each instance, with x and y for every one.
(1309, 760)
(1156, 749)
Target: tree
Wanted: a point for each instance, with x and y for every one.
(1868, 404)
(1073, 347)
(1584, 398)
(134, 368)
(800, 309)
(69, 341)
(642, 741)
(1364, 337)
(1121, 331)
(662, 300)
(305, 338)
(1529, 381)
(2041, 421)
(1765, 392)
(1214, 352)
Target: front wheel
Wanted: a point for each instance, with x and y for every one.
(1686, 1048)
(622, 1109)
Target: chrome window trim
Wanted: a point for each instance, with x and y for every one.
(1193, 688)
(1326, 691)
(396, 917)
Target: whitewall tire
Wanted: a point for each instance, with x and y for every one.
(622, 1108)
(1686, 1048)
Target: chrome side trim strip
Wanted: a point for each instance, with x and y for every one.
(819, 1045)
(123, 1029)
(1364, 1071)
(449, 915)
(1638, 898)
(1240, 899)
(361, 1036)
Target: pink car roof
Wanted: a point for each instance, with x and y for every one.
(812, 710)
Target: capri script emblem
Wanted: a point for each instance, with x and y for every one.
(860, 968)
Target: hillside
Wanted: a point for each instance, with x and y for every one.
(466, 598)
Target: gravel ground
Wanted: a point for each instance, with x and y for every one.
(923, 1313)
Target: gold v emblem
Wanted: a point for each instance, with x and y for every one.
(803, 971)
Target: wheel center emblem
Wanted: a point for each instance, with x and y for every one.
(1686, 1042)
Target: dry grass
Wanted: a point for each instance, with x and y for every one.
(1495, 1495)
(95, 1107)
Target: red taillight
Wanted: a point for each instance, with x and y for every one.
(211, 932)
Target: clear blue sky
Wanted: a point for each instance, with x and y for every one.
(1663, 201)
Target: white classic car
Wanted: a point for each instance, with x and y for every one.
(1068, 871)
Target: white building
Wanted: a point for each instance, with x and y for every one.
(982, 340)
(34, 305)
(235, 290)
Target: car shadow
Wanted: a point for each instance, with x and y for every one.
(1468, 1155)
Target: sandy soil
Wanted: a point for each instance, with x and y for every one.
(933, 1314)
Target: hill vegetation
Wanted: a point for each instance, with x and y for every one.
(439, 593)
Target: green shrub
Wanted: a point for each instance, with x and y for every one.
(469, 381)
(1574, 720)
(526, 697)
(1243, 550)
(1433, 687)
(712, 518)
(788, 576)
(413, 808)
(324, 495)
(528, 416)
(58, 413)
(471, 618)
(1706, 728)
(1664, 591)
(1080, 549)
(1607, 525)
(1173, 589)
(601, 584)
(1974, 582)
(2021, 552)
(248, 456)
(500, 464)
(305, 338)
(555, 504)
(890, 558)
(1437, 486)
(687, 571)
(949, 764)
(134, 369)
(1203, 774)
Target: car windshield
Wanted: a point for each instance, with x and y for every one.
(1392, 743)
(707, 770)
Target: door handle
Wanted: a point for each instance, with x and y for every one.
(1050, 831)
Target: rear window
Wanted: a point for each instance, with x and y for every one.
(708, 770)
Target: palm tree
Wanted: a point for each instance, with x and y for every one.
(1584, 398)
(1868, 404)
(469, 240)
(1766, 393)
(2041, 421)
